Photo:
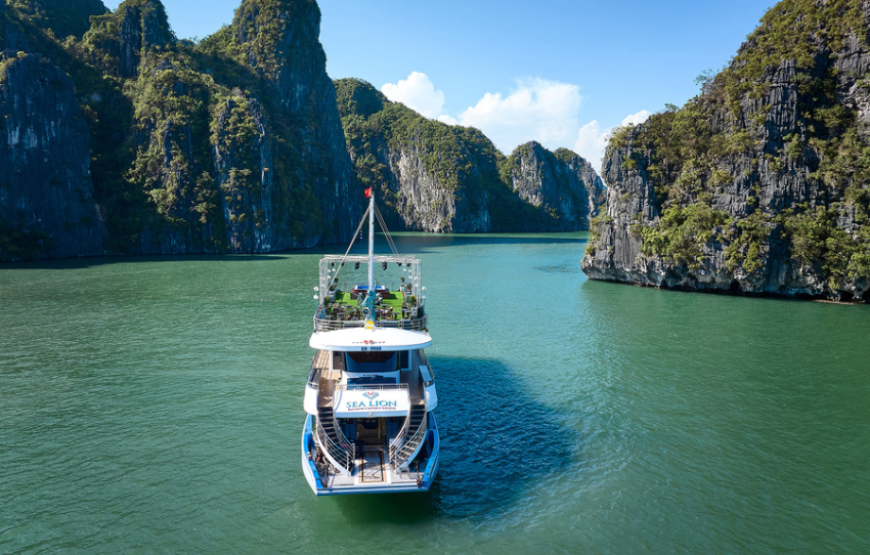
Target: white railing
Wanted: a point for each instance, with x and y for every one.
(329, 324)
(399, 456)
(344, 456)
(399, 440)
(352, 387)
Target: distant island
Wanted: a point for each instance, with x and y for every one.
(759, 185)
(116, 138)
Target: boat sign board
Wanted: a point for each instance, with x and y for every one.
(362, 403)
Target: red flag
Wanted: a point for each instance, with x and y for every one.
(368, 192)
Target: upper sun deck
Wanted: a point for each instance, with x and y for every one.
(401, 297)
(375, 339)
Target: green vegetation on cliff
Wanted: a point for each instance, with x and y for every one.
(817, 239)
(772, 152)
(16, 244)
(790, 30)
(59, 17)
(234, 143)
(461, 161)
(372, 122)
(683, 233)
(189, 138)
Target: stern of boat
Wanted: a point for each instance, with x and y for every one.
(372, 470)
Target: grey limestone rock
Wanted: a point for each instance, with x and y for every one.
(562, 185)
(45, 181)
(774, 172)
(450, 179)
(281, 39)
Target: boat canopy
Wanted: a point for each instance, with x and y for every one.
(377, 339)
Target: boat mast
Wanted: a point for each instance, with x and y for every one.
(370, 294)
(371, 242)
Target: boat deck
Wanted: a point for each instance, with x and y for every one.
(395, 309)
(320, 370)
(392, 305)
(372, 469)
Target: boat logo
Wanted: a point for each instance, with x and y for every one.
(370, 394)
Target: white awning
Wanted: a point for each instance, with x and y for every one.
(378, 339)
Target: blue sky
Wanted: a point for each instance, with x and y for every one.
(558, 71)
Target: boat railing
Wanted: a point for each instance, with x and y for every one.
(396, 443)
(319, 364)
(424, 361)
(399, 455)
(330, 324)
(345, 455)
(353, 387)
(314, 377)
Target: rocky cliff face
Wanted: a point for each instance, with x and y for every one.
(281, 42)
(62, 17)
(562, 185)
(450, 179)
(233, 145)
(47, 206)
(760, 184)
(144, 29)
(236, 144)
(428, 174)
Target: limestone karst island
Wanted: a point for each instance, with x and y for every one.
(490, 277)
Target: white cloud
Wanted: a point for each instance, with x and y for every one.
(592, 140)
(637, 119)
(537, 110)
(418, 93)
(541, 110)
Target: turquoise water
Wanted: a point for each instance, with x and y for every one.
(155, 405)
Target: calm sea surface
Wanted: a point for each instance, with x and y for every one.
(155, 405)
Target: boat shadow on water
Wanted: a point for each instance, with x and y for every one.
(497, 442)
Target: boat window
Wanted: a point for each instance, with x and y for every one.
(371, 380)
(372, 362)
(367, 357)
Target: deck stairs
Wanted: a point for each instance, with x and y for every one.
(410, 439)
(338, 449)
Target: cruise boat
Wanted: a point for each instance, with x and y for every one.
(370, 396)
